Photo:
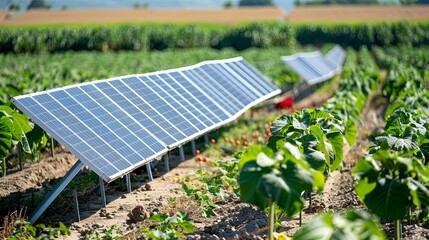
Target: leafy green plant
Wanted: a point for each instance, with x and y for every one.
(269, 178)
(15, 132)
(391, 183)
(352, 225)
(112, 233)
(169, 228)
(24, 230)
(318, 133)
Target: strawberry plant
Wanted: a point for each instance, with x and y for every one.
(269, 178)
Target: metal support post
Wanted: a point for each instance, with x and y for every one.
(76, 205)
(102, 193)
(206, 139)
(149, 172)
(128, 181)
(182, 154)
(194, 148)
(58, 189)
(166, 163)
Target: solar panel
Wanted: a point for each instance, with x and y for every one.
(336, 57)
(313, 67)
(119, 124)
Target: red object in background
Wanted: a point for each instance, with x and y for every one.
(286, 103)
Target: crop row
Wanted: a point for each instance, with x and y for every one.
(50, 39)
(304, 147)
(394, 177)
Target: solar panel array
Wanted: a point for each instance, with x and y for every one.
(336, 57)
(313, 67)
(119, 124)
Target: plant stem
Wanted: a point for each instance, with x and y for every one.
(398, 229)
(271, 220)
(19, 148)
(300, 217)
(52, 147)
(3, 167)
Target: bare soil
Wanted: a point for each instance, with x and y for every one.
(312, 14)
(102, 16)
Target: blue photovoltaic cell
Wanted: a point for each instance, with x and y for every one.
(227, 99)
(81, 139)
(241, 99)
(115, 119)
(178, 108)
(235, 82)
(157, 117)
(161, 105)
(245, 79)
(116, 125)
(143, 114)
(174, 90)
(213, 110)
(210, 89)
(260, 79)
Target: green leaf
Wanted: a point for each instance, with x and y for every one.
(259, 185)
(251, 154)
(319, 228)
(158, 217)
(336, 141)
(389, 199)
(350, 132)
(6, 128)
(363, 187)
(352, 225)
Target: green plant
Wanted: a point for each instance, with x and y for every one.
(13, 132)
(267, 179)
(113, 233)
(318, 133)
(169, 228)
(24, 230)
(352, 225)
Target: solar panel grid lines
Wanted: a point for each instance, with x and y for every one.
(119, 124)
(137, 113)
(246, 67)
(158, 117)
(187, 96)
(198, 93)
(237, 72)
(237, 81)
(212, 91)
(313, 67)
(45, 125)
(179, 103)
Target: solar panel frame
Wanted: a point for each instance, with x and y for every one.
(194, 79)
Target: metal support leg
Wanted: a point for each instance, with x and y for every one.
(194, 148)
(206, 139)
(59, 188)
(182, 154)
(166, 163)
(149, 172)
(128, 181)
(102, 193)
(76, 205)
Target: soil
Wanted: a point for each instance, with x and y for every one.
(104, 16)
(233, 219)
(338, 13)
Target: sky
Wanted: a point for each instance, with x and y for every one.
(287, 5)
